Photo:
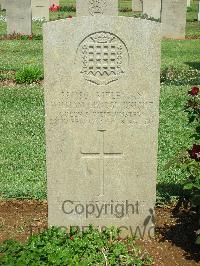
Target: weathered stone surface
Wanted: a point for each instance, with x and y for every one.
(137, 5)
(96, 7)
(173, 18)
(56, 2)
(18, 15)
(3, 4)
(152, 8)
(102, 83)
(40, 9)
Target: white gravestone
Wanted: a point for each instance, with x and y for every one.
(152, 8)
(137, 5)
(3, 4)
(102, 114)
(173, 18)
(19, 18)
(96, 7)
(40, 9)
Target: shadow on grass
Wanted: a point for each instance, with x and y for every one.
(167, 191)
(182, 233)
(195, 65)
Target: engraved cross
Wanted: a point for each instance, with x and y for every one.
(102, 155)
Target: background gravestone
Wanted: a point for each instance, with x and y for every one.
(152, 8)
(18, 15)
(137, 5)
(173, 18)
(96, 7)
(102, 113)
(3, 4)
(188, 3)
(56, 2)
(40, 9)
(199, 12)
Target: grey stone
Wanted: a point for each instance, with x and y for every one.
(102, 83)
(96, 7)
(40, 9)
(137, 5)
(152, 8)
(173, 18)
(3, 4)
(56, 2)
(18, 15)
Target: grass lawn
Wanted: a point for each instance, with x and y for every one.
(22, 141)
(22, 147)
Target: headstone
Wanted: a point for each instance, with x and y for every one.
(96, 7)
(188, 3)
(173, 18)
(55, 2)
(102, 113)
(18, 15)
(40, 9)
(152, 8)
(199, 12)
(137, 5)
(3, 4)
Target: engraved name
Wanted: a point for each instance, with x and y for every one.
(80, 107)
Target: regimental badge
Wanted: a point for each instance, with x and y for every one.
(96, 7)
(104, 58)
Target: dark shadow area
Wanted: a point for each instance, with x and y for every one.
(182, 232)
(166, 191)
(195, 65)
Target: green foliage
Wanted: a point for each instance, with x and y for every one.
(56, 247)
(180, 76)
(174, 135)
(68, 8)
(189, 160)
(193, 165)
(28, 75)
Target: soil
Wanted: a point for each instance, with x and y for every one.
(173, 244)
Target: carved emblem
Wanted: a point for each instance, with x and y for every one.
(96, 7)
(103, 58)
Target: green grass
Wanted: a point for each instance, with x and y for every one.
(181, 53)
(16, 53)
(22, 146)
(174, 136)
(193, 26)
